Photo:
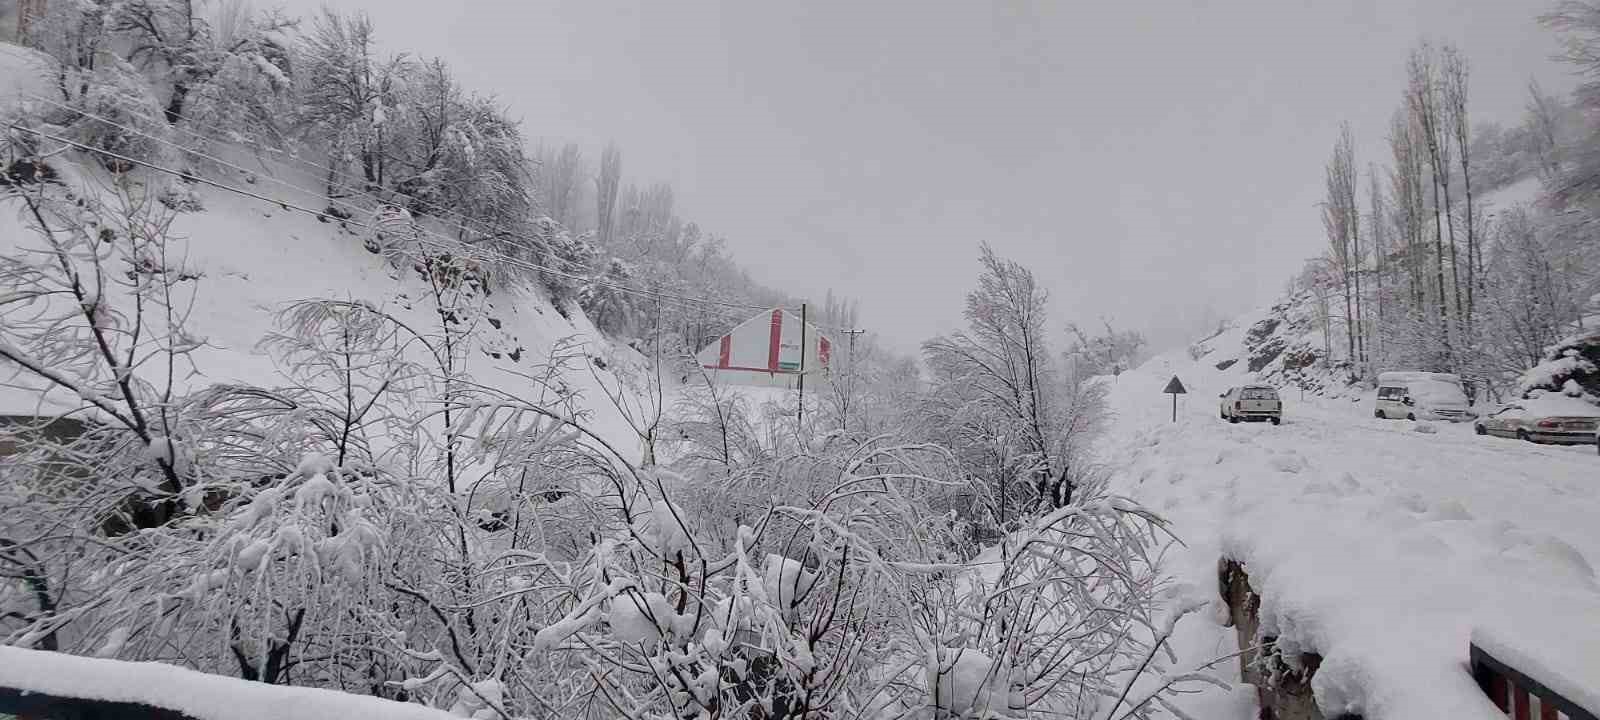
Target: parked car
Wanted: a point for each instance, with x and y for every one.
(1548, 418)
(1426, 395)
(1251, 402)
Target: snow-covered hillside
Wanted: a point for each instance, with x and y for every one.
(252, 258)
(1266, 345)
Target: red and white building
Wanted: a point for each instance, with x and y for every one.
(766, 351)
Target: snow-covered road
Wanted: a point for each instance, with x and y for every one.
(1377, 546)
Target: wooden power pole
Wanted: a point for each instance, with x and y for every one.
(800, 415)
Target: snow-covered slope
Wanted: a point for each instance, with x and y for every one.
(252, 258)
(1266, 345)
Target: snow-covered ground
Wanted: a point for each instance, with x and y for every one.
(1380, 547)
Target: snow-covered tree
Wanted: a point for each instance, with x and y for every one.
(1005, 377)
(606, 301)
(345, 94)
(1106, 353)
(189, 48)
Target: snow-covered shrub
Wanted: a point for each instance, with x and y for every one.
(612, 308)
(571, 255)
(243, 97)
(131, 125)
(180, 197)
(1571, 363)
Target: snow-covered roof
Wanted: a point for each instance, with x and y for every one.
(1549, 404)
(1401, 376)
(763, 318)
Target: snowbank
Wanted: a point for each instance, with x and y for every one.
(197, 695)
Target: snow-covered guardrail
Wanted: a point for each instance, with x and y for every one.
(40, 684)
(1528, 684)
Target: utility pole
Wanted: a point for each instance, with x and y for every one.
(852, 334)
(800, 415)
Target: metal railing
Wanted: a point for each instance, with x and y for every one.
(1518, 695)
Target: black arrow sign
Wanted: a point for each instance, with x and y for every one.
(1175, 388)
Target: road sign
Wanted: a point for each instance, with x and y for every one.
(1175, 388)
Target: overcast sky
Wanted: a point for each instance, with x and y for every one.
(1153, 163)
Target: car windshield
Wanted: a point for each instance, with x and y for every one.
(1438, 392)
(1391, 393)
(1259, 394)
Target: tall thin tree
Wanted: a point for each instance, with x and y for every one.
(1422, 100)
(606, 186)
(1455, 76)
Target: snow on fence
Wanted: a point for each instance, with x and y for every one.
(40, 684)
(1525, 685)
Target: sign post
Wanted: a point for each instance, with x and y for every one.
(1175, 388)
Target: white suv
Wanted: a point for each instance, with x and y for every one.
(1251, 402)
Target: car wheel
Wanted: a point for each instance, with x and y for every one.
(1277, 421)
(1379, 415)
(1523, 436)
(1233, 419)
(1479, 429)
(1411, 416)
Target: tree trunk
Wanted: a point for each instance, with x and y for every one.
(1349, 322)
(1473, 259)
(180, 94)
(1438, 257)
(1355, 250)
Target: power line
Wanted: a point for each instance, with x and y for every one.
(449, 243)
(311, 193)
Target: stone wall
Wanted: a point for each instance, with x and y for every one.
(1283, 692)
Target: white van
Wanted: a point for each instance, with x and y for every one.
(1426, 395)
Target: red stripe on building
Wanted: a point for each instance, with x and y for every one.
(1519, 708)
(725, 351)
(773, 344)
(824, 351)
